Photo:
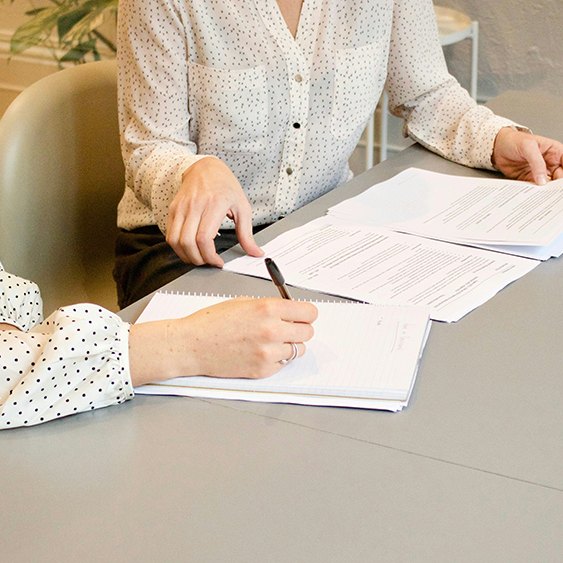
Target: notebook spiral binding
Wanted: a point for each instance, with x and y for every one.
(235, 296)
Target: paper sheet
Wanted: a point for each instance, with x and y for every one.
(464, 209)
(378, 265)
(263, 397)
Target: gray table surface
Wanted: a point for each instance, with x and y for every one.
(472, 470)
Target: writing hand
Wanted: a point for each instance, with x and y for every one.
(209, 193)
(236, 338)
(528, 157)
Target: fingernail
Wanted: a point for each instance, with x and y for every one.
(542, 179)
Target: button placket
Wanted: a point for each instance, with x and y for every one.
(294, 143)
(298, 58)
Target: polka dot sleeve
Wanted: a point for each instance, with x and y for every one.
(74, 361)
(20, 301)
(155, 142)
(438, 112)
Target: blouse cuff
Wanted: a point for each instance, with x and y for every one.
(20, 301)
(123, 351)
(170, 185)
(185, 164)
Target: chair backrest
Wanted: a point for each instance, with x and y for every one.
(61, 177)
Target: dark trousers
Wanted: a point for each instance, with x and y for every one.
(144, 262)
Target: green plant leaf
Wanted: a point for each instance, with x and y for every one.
(67, 21)
(34, 12)
(83, 27)
(35, 31)
(87, 18)
(79, 52)
(75, 21)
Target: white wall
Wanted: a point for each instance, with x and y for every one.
(521, 45)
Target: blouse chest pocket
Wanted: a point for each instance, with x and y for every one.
(359, 78)
(229, 108)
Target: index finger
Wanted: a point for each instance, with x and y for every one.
(298, 311)
(242, 216)
(533, 155)
(208, 228)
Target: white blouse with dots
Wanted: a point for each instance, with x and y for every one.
(227, 78)
(76, 360)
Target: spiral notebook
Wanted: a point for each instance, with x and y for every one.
(362, 355)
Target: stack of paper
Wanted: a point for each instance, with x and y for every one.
(378, 265)
(497, 214)
(363, 356)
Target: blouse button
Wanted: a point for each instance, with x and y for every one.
(289, 170)
(298, 78)
(297, 125)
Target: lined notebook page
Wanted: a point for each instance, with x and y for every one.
(358, 351)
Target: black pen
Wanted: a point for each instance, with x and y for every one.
(277, 278)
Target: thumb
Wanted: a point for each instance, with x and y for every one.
(534, 158)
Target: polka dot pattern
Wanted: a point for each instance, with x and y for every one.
(227, 78)
(76, 360)
(20, 301)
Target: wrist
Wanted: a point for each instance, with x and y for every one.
(201, 164)
(160, 350)
(500, 138)
(148, 360)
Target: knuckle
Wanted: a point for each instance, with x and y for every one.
(268, 333)
(202, 239)
(196, 260)
(175, 245)
(192, 255)
(261, 357)
(266, 307)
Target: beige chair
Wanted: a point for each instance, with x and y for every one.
(61, 176)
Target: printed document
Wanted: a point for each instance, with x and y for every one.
(377, 265)
(499, 214)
